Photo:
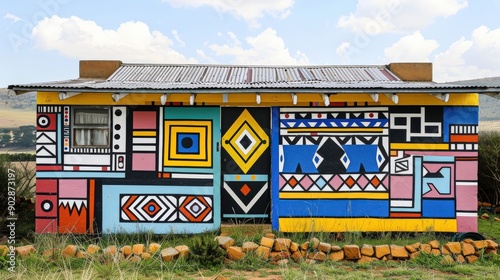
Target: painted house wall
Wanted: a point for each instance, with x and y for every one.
(354, 166)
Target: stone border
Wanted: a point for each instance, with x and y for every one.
(282, 250)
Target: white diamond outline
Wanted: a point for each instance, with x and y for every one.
(252, 202)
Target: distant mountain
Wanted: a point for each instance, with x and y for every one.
(489, 107)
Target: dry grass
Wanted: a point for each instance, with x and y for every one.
(489, 126)
(11, 118)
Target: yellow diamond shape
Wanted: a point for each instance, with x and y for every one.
(245, 127)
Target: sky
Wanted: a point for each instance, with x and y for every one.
(43, 40)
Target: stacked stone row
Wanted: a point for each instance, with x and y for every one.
(283, 250)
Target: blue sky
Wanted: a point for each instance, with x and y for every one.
(43, 40)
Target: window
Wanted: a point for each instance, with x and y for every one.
(91, 127)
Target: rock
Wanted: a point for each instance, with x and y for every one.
(365, 259)
(282, 244)
(434, 244)
(69, 251)
(445, 251)
(134, 258)
(4, 250)
(183, 250)
(296, 256)
(367, 250)
(154, 247)
(325, 247)
(479, 244)
(225, 241)
(93, 249)
(472, 258)
(138, 249)
(235, 253)
(283, 262)
(414, 255)
(249, 247)
(352, 252)
(491, 244)
(426, 248)
(399, 252)
(485, 216)
(382, 251)
(314, 243)
(267, 242)
(336, 248)
(460, 259)
(294, 247)
(110, 250)
(126, 250)
(336, 255)
(82, 255)
(411, 249)
(467, 249)
(304, 246)
(169, 254)
(447, 260)
(270, 235)
(276, 256)
(50, 253)
(145, 256)
(319, 256)
(453, 247)
(436, 252)
(263, 252)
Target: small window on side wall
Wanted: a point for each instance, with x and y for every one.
(91, 127)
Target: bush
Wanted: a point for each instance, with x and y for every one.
(489, 167)
(206, 252)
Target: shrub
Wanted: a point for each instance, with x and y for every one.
(206, 252)
(489, 167)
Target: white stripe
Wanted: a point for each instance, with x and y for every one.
(194, 176)
(143, 140)
(462, 183)
(327, 110)
(466, 214)
(143, 148)
(401, 203)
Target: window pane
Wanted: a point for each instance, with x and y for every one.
(91, 117)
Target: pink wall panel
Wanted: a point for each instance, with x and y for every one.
(73, 188)
(144, 162)
(401, 187)
(144, 120)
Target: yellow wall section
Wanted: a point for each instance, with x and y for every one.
(249, 99)
(366, 224)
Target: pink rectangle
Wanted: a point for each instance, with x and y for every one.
(143, 162)
(73, 188)
(401, 187)
(466, 224)
(466, 197)
(466, 170)
(144, 120)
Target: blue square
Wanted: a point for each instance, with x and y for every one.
(188, 143)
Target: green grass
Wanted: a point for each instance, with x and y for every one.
(100, 266)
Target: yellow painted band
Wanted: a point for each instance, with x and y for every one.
(335, 195)
(420, 146)
(144, 133)
(365, 224)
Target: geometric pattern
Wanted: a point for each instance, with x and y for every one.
(416, 124)
(246, 192)
(245, 141)
(46, 139)
(188, 143)
(159, 208)
(147, 208)
(195, 209)
(333, 183)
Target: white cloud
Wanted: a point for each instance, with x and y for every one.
(382, 16)
(249, 10)
(84, 39)
(465, 59)
(180, 42)
(411, 48)
(12, 17)
(266, 48)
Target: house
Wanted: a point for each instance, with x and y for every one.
(183, 148)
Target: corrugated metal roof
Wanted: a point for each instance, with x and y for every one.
(215, 78)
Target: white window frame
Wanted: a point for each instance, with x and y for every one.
(75, 126)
